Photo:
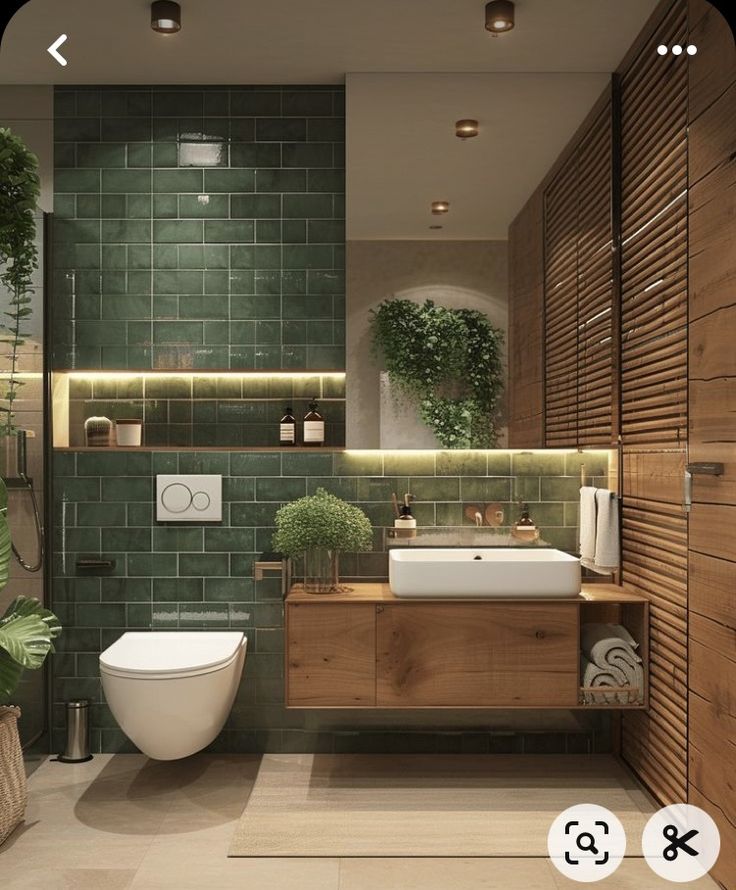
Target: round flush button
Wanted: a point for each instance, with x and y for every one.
(200, 500)
(176, 498)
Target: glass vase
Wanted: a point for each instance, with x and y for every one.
(321, 571)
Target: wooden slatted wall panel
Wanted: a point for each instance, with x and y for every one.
(561, 307)
(712, 423)
(654, 392)
(595, 285)
(654, 241)
(526, 326)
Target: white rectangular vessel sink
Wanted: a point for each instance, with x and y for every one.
(483, 573)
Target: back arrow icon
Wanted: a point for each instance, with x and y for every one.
(52, 50)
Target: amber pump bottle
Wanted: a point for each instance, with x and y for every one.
(314, 425)
(287, 428)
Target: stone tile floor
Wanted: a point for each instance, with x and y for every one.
(122, 822)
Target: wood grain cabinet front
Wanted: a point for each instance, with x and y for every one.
(477, 655)
(331, 655)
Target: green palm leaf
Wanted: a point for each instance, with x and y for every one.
(27, 630)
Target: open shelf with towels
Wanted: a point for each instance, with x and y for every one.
(614, 653)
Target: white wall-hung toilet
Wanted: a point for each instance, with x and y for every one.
(171, 691)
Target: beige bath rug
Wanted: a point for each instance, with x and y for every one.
(427, 805)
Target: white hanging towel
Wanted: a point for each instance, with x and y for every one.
(607, 534)
(587, 523)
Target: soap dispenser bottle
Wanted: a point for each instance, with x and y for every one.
(314, 425)
(287, 428)
(405, 521)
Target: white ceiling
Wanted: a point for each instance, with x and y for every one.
(310, 41)
(402, 152)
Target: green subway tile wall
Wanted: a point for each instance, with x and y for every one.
(169, 576)
(199, 228)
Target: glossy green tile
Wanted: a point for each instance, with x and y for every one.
(221, 231)
(555, 488)
(255, 102)
(538, 464)
(203, 564)
(168, 538)
(254, 464)
(203, 206)
(151, 564)
(126, 181)
(176, 589)
(118, 540)
(127, 489)
(256, 155)
(233, 180)
(256, 206)
(307, 103)
(189, 180)
(427, 488)
(409, 464)
(307, 154)
(478, 489)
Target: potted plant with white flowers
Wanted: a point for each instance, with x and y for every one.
(26, 634)
(318, 528)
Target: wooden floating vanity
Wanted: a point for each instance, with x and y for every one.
(366, 648)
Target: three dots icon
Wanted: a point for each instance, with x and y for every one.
(677, 50)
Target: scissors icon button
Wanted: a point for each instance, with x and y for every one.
(671, 851)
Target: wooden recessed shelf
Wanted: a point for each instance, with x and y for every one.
(366, 648)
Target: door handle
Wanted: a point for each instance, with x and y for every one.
(700, 468)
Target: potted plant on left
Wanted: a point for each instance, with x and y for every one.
(318, 528)
(26, 634)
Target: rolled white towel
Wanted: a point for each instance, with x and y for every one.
(608, 644)
(608, 679)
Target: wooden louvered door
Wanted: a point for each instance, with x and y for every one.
(579, 291)
(654, 391)
(595, 286)
(561, 307)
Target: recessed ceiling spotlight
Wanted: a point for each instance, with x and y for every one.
(499, 16)
(165, 16)
(466, 128)
(440, 207)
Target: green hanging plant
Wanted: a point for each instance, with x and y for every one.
(449, 361)
(19, 191)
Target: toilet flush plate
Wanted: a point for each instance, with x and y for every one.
(196, 498)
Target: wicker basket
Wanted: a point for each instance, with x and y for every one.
(13, 788)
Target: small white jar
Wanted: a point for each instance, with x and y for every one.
(129, 433)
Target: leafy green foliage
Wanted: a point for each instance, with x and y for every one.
(26, 628)
(19, 191)
(449, 361)
(321, 521)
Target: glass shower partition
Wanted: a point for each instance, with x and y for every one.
(24, 461)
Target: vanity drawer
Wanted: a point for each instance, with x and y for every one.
(477, 655)
(331, 655)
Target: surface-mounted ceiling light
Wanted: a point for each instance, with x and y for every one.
(499, 16)
(466, 128)
(166, 16)
(440, 207)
